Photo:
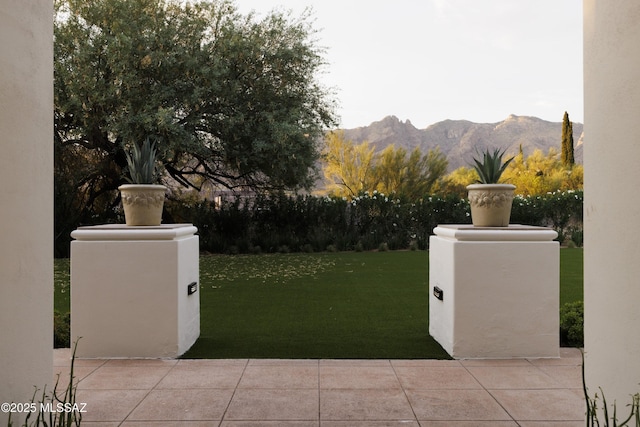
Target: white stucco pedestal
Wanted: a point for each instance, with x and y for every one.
(494, 292)
(135, 290)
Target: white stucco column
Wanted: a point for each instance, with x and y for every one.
(612, 208)
(494, 291)
(148, 276)
(26, 199)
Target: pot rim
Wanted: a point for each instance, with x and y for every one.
(141, 187)
(491, 187)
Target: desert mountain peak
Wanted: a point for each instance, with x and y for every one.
(460, 139)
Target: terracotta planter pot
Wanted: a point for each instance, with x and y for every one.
(491, 204)
(142, 203)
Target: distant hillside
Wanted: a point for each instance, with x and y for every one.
(459, 139)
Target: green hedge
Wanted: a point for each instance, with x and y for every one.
(561, 211)
(572, 324)
(283, 223)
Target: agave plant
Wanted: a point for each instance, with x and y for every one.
(490, 168)
(142, 163)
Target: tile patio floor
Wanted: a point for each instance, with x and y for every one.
(329, 393)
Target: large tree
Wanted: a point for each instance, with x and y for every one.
(232, 99)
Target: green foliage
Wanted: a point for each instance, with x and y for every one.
(142, 163)
(455, 183)
(348, 166)
(567, 141)
(302, 223)
(408, 175)
(389, 170)
(576, 235)
(540, 174)
(561, 210)
(491, 167)
(351, 169)
(233, 100)
(81, 197)
(593, 419)
(572, 324)
(536, 174)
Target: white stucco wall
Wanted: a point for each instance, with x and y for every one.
(611, 209)
(26, 198)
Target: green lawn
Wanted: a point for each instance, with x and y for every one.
(329, 305)
(571, 275)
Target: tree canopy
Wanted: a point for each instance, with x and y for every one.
(351, 169)
(567, 141)
(535, 174)
(348, 166)
(230, 98)
(412, 175)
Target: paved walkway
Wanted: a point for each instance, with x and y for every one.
(329, 393)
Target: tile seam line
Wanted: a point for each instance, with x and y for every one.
(81, 379)
(235, 390)
(492, 396)
(71, 360)
(319, 393)
(147, 394)
(404, 392)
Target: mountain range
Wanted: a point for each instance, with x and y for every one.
(459, 140)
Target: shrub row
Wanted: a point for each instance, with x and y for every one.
(561, 210)
(572, 324)
(284, 223)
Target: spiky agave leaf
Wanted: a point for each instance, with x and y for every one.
(491, 167)
(141, 162)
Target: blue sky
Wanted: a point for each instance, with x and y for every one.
(431, 60)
